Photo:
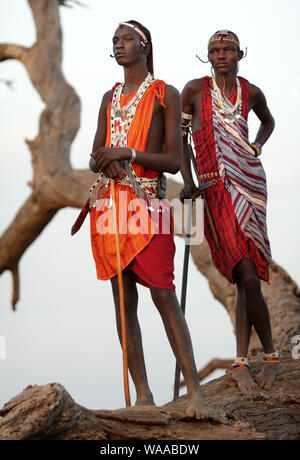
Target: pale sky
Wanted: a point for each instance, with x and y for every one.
(64, 330)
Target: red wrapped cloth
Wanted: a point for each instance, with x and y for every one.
(238, 219)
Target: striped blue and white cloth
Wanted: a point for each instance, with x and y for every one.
(242, 174)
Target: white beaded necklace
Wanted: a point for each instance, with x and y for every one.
(124, 115)
(230, 112)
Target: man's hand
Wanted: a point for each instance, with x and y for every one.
(189, 192)
(104, 156)
(114, 170)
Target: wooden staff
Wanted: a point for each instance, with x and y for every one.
(184, 288)
(187, 252)
(121, 297)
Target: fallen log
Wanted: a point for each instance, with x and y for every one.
(49, 413)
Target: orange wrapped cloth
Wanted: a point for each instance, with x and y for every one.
(144, 249)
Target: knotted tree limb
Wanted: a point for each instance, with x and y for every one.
(11, 51)
(55, 184)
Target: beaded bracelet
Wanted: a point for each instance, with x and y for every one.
(186, 123)
(186, 116)
(257, 148)
(133, 155)
(271, 358)
(240, 363)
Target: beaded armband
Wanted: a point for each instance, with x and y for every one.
(186, 123)
(271, 358)
(257, 149)
(240, 363)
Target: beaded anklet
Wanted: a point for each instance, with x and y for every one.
(271, 358)
(240, 363)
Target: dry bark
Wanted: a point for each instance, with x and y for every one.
(48, 412)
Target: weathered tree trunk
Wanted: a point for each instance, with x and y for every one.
(50, 150)
(49, 412)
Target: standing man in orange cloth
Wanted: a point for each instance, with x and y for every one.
(137, 139)
(217, 109)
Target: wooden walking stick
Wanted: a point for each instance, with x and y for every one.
(187, 251)
(184, 287)
(121, 297)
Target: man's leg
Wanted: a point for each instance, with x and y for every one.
(243, 331)
(136, 362)
(258, 315)
(178, 334)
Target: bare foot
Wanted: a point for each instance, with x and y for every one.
(267, 375)
(244, 380)
(198, 409)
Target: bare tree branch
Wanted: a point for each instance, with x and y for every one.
(53, 177)
(212, 366)
(76, 2)
(11, 51)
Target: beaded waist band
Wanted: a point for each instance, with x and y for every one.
(212, 175)
(146, 181)
(144, 187)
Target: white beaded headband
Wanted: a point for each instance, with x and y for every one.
(127, 24)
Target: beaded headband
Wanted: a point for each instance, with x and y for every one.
(127, 24)
(224, 35)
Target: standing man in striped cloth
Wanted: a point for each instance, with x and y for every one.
(217, 109)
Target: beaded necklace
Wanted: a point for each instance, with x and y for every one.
(120, 121)
(230, 113)
(121, 117)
